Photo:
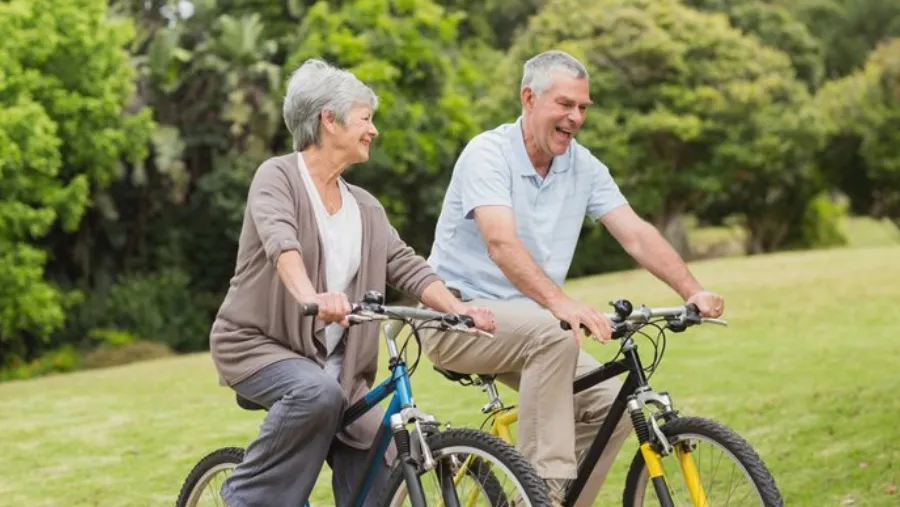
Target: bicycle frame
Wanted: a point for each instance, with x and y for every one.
(633, 395)
(400, 411)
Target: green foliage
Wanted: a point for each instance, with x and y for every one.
(493, 22)
(112, 337)
(848, 30)
(63, 132)
(776, 27)
(408, 53)
(160, 307)
(62, 360)
(863, 111)
(821, 225)
(123, 177)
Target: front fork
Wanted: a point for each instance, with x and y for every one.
(413, 453)
(415, 456)
(654, 445)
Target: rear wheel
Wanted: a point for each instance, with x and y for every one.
(730, 472)
(204, 482)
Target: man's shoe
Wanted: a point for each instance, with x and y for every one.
(556, 488)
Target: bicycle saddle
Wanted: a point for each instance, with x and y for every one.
(462, 378)
(246, 404)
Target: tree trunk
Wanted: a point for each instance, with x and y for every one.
(671, 225)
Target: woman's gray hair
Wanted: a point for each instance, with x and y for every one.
(316, 86)
(538, 72)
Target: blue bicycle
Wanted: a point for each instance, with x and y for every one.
(448, 467)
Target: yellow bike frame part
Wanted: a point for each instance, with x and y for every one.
(691, 477)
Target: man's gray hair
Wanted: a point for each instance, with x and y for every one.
(316, 86)
(538, 72)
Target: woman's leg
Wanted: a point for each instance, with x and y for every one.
(348, 466)
(281, 466)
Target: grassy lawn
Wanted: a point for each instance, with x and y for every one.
(807, 372)
(729, 240)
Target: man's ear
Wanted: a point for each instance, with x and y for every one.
(527, 97)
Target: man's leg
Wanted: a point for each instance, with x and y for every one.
(348, 466)
(530, 349)
(591, 409)
(281, 466)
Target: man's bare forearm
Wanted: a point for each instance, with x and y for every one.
(651, 250)
(437, 296)
(520, 268)
(293, 275)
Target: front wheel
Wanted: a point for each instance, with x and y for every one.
(710, 465)
(472, 468)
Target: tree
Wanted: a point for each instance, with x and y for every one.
(777, 27)
(863, 112)
(64, 133)
(848, 29)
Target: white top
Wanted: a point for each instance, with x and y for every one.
(341, 236)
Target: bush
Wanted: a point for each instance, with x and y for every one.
(61, 360)
(821, 224)
(108, 356)
(160, 307)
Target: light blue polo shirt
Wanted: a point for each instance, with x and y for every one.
(494, 168)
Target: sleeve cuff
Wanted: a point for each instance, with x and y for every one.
(275, 248)
(420, 287)
(469, 209)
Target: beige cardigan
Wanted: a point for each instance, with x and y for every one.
(259, 321)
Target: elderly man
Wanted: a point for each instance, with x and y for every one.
(505, 239)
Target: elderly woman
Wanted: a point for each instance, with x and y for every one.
(310, 237)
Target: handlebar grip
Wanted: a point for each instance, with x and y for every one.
(467, 320)
(567, 327)
(692, 314)
(309, 309)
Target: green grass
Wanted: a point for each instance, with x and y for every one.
(729, 240)
(867, 232)
(807, 372)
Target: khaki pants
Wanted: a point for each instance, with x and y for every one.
(533, 355)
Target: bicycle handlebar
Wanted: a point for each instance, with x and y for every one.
(678, 318)
(372, 308)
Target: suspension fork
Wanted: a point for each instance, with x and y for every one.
(652, 458)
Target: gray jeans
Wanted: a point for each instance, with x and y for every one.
(296, 438)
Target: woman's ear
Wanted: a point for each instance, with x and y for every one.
(328, 121)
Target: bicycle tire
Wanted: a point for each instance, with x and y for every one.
(521, 469)
(217, 458)
(722, 435)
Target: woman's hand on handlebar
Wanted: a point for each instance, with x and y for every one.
(332, 307)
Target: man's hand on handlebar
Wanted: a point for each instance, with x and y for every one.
(710, 304)
(577, 314)
(482, 318)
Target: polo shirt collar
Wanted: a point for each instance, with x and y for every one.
(524, 166)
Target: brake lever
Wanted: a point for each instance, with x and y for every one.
(714, 321)
(479, 332)
(365, 316)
